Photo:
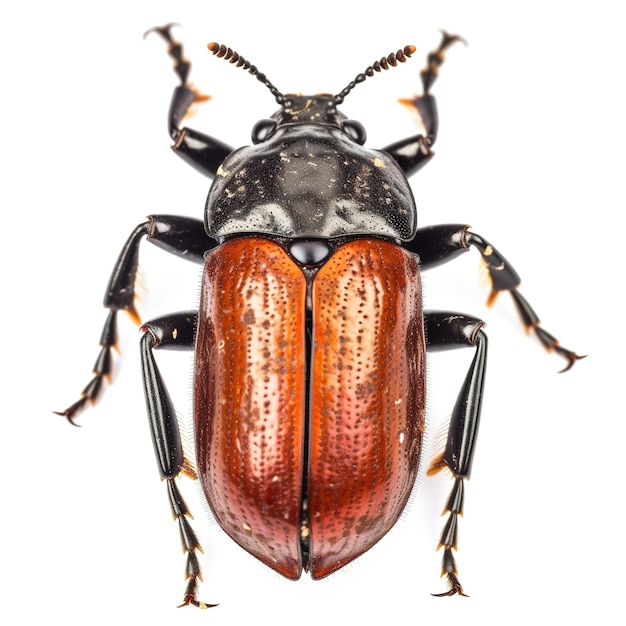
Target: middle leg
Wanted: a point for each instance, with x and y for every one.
(443, 242)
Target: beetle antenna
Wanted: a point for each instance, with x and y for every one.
(385, 63)
(232, 56)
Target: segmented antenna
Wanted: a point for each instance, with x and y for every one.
(391, 60)
(230, 55)
(385, 63)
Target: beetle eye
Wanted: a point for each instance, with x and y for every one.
(262, 130)
(355, 130)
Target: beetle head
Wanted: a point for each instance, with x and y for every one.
(319, 110)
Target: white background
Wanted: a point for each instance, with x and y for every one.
(530, 153)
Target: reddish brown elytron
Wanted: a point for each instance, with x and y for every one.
(249, 397)
(366, 408)
(367, 398)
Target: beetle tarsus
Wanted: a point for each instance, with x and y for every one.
(174, 49)
(532, 322)
(191, 545)
(101, 370)
(191, 591)
(448, 569)
(186, 94)
(436, 58)
(182, 66)
(449, 535)
(190, 597)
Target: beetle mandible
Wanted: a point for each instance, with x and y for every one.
(310, 337)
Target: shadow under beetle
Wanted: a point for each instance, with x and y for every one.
(310, 338)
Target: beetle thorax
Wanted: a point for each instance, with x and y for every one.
(313, 180)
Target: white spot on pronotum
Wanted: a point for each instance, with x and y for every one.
(398, 401)
(221, 172)
(175, 333)
(401, 438)
(378, 162)
(247, 528)
(221, 344)
(275, 479)
(488, 251)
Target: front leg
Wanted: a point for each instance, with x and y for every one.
(414, 152)
(202, 152)
(443, 242)
(183, 236)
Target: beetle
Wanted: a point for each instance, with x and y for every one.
(310, 338)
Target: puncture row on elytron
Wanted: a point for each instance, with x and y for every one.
(310, 337)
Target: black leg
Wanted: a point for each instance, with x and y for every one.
(202, 152)
(441, 243)
(414, 152)
(444, 331)
(175, 332)
(183, 236)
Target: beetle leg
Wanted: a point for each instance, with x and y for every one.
(202, 152)
(414, 152)
(182, 236)
(444, 331)
(174, 332)
(443, 242)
